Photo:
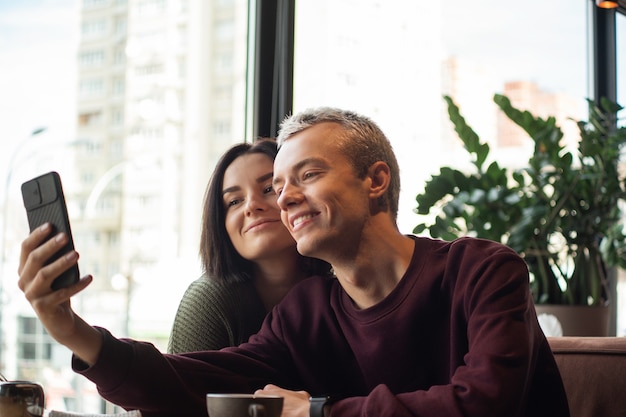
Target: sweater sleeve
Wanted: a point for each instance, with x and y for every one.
(137, 376)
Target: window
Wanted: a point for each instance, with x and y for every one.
(150, 7)
(117, 117)
(394, 60)
(221, 128)
(92, 4)
(119, 25)
(119, 55)
(92, 58)
(224, 63)
(119, 86)
(93, 28)
(149, 69)
(34, 343)
(181, 35)
(224, 30)
(90, 119)
(91, 87)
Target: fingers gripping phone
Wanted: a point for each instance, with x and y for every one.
(44, 202)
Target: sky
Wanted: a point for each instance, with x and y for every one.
(38, 43)
(537, 39)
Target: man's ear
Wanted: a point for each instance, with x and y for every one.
(380, 175)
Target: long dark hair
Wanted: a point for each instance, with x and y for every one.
(219, 258)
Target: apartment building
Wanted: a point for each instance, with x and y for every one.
(161, 94)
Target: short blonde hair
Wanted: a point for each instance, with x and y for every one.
(363, 144)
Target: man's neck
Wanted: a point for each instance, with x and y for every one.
(377, 269)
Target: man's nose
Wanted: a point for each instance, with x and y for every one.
(289, 195)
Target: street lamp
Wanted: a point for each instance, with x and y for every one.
(5, 210)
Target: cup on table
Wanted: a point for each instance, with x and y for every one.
(21, 398)
(243, 405)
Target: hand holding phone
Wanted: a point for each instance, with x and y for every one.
(44, 202)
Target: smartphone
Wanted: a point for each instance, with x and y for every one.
(44, 202)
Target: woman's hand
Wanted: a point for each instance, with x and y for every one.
(53, 307)
(296, 403)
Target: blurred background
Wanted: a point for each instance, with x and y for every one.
(133, 101)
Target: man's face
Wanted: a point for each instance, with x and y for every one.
(324, 204)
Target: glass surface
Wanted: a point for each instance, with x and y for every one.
(390, 59)
(393, 60)
(139, 99)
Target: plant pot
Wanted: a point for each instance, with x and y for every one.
(577, 320)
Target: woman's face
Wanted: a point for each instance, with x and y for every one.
(252, 215)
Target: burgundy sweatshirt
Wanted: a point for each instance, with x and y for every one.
(458, 336)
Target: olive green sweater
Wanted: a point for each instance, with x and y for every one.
(214, 314)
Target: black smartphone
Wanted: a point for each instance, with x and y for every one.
(44, 202)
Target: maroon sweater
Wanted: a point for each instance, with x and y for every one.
(458, 336)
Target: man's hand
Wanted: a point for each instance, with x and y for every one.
(296, 403)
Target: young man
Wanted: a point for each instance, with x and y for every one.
(410, 326)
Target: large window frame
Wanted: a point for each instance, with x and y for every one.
(274, 55)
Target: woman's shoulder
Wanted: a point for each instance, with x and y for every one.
(207, 288)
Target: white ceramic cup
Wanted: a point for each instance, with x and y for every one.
(243, 405)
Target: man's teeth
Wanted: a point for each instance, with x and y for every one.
(301, 219)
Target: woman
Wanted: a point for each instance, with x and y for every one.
(248, 256)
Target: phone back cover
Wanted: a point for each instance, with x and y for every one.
(44, 201)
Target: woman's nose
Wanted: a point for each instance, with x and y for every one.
(255, 202)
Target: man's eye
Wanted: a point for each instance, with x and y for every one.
(268, 189)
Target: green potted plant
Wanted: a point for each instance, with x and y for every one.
(560, 212)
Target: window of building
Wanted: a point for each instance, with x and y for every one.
(34, 342)
(117, 117)
(119, 55)
(150, 7)
(221, 128)
(91, 87)
(181, 35)
(92, 4)
(224, 63)
(93, 58)
(119, 25)
(93, 28)
(149, 69)
(90, 119)
(118, 86)
(224, 30)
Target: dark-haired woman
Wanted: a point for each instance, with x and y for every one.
(248, 256)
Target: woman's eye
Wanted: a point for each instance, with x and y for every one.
(232, 203)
